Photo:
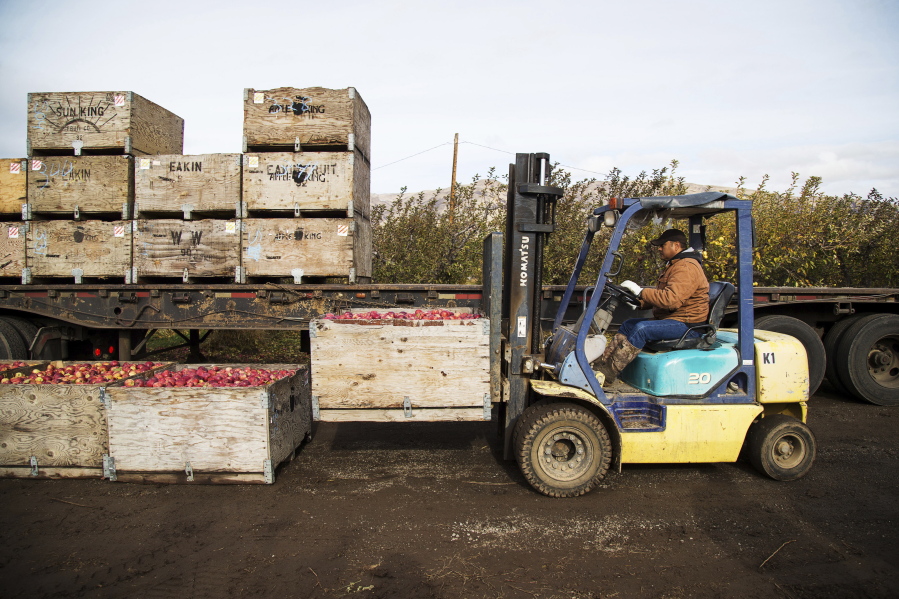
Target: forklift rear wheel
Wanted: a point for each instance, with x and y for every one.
(781, 447)
(563, 449)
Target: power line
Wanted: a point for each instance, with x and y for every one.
(413, 155)
(480, 146)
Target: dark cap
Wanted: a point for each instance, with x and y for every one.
(671, 235)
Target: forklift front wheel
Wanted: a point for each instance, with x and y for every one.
(563, 449)
(781, 447)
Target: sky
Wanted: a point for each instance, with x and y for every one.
(728, 89)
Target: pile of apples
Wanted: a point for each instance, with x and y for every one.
(89, 373)
(13, 365)
(403, 315)
(213, 376)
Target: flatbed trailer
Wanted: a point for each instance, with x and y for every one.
(69, 321)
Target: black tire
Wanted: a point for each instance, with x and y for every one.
(563, 449)
(814, 347)
(781, 447)
(868, 359)
(11, 345)
(831, 343)
(27, 330)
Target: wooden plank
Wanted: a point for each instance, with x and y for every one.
(121, 122)
(175, 183)
(162, 429)
(204, 248)
(61, 425)
(436, 364)
(306, 181)
(199, 478)
(154, 129)
(86, 184)
(426, 415)
(290, 414)
(50, 473)
(98, 248)
(319, 118)
(12, 249)
(319, 247)
(13, 189)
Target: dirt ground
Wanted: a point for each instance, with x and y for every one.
(433, 511)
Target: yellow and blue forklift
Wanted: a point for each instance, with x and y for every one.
(714, 397)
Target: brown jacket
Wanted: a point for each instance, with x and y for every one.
(682, 292)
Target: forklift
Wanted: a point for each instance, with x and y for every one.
(710, 398)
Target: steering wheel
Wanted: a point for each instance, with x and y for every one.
(624, 293)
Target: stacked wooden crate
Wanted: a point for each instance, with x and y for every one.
(12, 231)
(186, 217)
(80, 180)
(306, 180)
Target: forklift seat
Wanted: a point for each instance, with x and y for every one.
(720, 293)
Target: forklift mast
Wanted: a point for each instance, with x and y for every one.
(530, 218)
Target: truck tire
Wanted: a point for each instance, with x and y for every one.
(563, 449)
(868, 359)
(27, 330)
(781, 447)
(814, 347)
(831, 343)
(11, 345)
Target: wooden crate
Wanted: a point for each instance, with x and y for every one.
(12, 249)
(203, 434)
(174, 248)
(307, 247)
(300, 182)
(402, 371)
(62, 427)
(196, 185)
(79, 185)
(90, 248)
(311, 118)
(101, 122)
(13, 188)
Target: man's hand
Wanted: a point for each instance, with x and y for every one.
(632, 287)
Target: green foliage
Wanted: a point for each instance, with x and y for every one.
(809, 239)
(805, 238)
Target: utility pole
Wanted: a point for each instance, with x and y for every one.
(452, 198)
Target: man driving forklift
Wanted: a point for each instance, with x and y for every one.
(679, 299)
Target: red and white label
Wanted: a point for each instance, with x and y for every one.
(343, 230)
(118, 99)
(36, 165)
(118, 231)
(13, 232)
(15, 168)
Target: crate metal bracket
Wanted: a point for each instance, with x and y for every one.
(350, 209)
(109, 467)
(266, 400)
(352, 276)
(187, 209)
(78, 274)
(104, 398)
(485, 326)
(297, 274)
(313, 330)
(351, 142)
(125, 211)
(296, 210)
(34, 470)
(407, 407)
(268, 471)
(26, 276)
(77, 214)
(296, 144)
(185, 276)
(26, 211)
(189, 472)
(316, 411)
(240, 275)
(77, 144)
(488, 406)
